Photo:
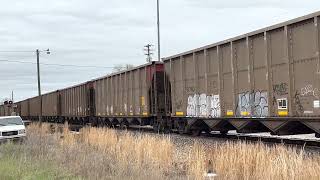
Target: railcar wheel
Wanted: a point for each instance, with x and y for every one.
(100, 123)
(195, 132)
(124, 126)
(167, 130)
(107, 124)
(181, 129)
(156, 127)
(224, 132)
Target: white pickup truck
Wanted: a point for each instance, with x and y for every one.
(12, 127)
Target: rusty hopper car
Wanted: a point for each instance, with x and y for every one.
(34, 108)
(266, 80)
(2, 111)
(76, 105)
(51, 105)
(18, 108)
(129, 97)
(24, 109)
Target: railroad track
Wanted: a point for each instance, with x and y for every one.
(306, 143)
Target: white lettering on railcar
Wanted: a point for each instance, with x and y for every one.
(316, 104)
(253, 104)
(203, 106)
(309, 90)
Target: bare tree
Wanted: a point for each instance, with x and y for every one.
(117, 68)
(120, 67)
(129, 66)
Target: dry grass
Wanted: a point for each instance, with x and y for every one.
(98, 153)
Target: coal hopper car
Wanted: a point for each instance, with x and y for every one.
(264, 81)
(134, 96)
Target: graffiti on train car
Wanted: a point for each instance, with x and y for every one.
(203, 106)
(280, 89)
(190, 90)
(131, 110)
(253, 103)
(298, 105)
(125, 108)
(309, 90)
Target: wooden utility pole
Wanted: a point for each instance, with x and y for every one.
(158, 25)
(39, 86)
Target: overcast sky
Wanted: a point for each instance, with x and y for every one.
(106, 33)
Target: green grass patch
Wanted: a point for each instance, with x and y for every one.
(15, 164)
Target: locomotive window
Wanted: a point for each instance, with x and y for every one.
(282, 104)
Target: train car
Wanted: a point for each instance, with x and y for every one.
(129, 97)
(24, 109)
(51, 110)
(76, 103)
(34, 108)
(266, 80)
(2, 111)
(18, 108)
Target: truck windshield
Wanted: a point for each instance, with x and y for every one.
(10, 121)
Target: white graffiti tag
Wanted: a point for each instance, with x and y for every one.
(203, 106)
(253, 103)
(215, 106)
(309, 90)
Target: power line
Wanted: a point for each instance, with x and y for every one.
(46, 64)
(15, 51)
(148, 52)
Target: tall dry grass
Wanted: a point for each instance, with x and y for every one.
(98, 153)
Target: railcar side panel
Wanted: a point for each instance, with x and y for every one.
(50, 104)
(304, 55)
(2, 111)
(272, 72)
(74, 101)
(25, 111)
(127, 93)
(34, 104)
(228, 80)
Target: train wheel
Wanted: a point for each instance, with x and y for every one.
(100, 123)
(107, 124)
(195, 132)
(167, 130)
(181, 129)
(156, 127)
(224, 132)
(124, 126)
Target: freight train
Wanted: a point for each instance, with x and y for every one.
(264, 81)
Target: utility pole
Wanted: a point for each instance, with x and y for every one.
(158, 23)
(148, 52)
(39, 82)
(12, 96)
(39, 85)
